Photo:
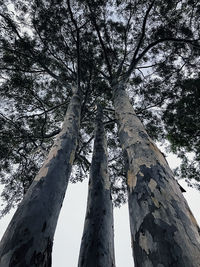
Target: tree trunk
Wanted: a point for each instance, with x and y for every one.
(97, 246)
(163, 229)
(29, 237)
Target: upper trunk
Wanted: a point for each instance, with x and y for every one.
(163, 229)
(29, 237)
(97, 246)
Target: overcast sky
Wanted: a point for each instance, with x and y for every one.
(70, 225)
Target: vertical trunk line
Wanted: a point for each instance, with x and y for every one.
(97, 245)
(163, 229)
(29, 237)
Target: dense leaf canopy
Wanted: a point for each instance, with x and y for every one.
(49, 47)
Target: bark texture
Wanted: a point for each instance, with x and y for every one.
(163, 230)
(97, 246)
(28, 239)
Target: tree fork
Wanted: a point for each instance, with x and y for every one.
(97, 246)
(164, 232)
(28, 239)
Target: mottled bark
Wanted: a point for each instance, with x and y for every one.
(163, 229)
(97, 246)
(29, 237)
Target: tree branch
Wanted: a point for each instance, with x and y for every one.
(85, 144)
(22, 131)
(106, 123)
(125, 44)
(32, 52)
(143, 31)
(77, 44)
(101, 42)
(45, 111)
(162, 40)
(52, 52)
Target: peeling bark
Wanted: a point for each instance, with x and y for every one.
(97, 246)
(164, 231)
(28, 239)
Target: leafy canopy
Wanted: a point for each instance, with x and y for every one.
(48, 47)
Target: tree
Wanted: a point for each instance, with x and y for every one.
(77, 44)
(160, 219)
(149, 180)
(97, 245)
(29, 237)
(39, 100)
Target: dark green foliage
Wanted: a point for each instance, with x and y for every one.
(49, 47)
(182, 116)
(182, 122)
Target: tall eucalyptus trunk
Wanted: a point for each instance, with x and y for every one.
(28, 239)
(97, 246)
(163, 229)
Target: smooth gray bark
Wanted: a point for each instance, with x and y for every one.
(97, 246)
(28, 239)
(164, 232)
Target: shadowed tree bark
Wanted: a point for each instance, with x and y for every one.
(163, 229)
(29, 237)
(97, 246)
